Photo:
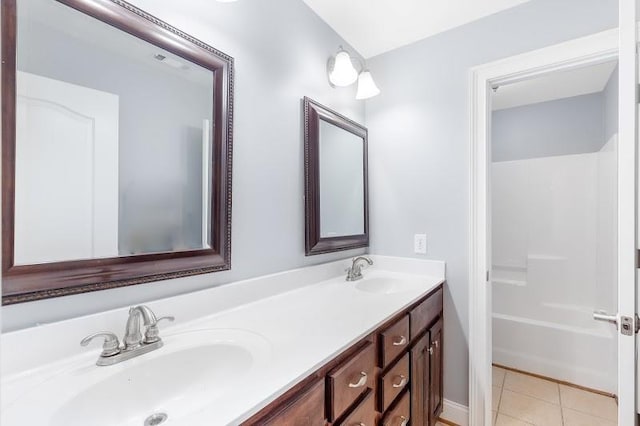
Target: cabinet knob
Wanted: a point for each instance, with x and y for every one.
(361, 382)
(430, 350)
(399, 341)
(401, 383)
(435, 343)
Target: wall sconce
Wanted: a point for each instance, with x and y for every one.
(342, 73)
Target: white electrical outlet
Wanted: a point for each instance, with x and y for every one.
(420, 243)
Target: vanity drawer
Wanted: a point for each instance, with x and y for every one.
(350, 380)
(305, 409)
(423, 314)
(394, 340)
(393, 382)
(400, 414)
(363, 415)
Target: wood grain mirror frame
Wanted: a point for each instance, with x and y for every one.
(314, 243)
(32, 282)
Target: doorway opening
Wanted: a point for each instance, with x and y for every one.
(617, 44)
(553, 246)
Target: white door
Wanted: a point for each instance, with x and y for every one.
(66, 198)
(627, 204)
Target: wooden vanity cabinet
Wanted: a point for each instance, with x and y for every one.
(392, 377)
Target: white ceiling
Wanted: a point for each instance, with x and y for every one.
(556, 85)
(373, 27)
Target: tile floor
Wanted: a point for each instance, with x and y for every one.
(523, 400)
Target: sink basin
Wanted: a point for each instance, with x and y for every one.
(187, 374)
(388, 285)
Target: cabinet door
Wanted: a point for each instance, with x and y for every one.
(420, 364)
(435, 372)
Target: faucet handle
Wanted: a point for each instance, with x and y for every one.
(151, 334)
(111, 345)
(168, 318)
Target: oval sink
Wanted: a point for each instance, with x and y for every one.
(388, 285)
(182, 377)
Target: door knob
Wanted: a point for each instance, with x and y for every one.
(604, 316)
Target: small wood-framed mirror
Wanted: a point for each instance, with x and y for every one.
(116, 149)
(336, 187)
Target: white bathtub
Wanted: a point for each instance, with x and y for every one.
(581, 355)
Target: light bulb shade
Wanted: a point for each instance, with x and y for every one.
(366, 86)
(343, 72)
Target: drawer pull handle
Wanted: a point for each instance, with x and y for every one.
(361, 382)
(403, 381)
(401, 340)
(404, 421)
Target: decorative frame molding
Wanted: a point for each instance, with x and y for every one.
(314, 243)
(33, 282)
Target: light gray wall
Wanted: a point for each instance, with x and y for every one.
(281, 49)
(559, 127)
(610, 94)
(418, 142)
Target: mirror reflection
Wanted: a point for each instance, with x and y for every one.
(341, 181)
(113, 142)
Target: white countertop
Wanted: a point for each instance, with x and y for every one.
(305, 328)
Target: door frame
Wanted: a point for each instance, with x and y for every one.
(592, 49)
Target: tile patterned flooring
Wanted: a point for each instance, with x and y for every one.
(523, 400)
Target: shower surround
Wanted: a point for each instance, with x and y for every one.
(554, 262)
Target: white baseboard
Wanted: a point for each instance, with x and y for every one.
(455, 413)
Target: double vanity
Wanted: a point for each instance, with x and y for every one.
(299, 347)
(145, 196)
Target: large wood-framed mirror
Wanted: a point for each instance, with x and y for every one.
(336, 185)
(116, 149)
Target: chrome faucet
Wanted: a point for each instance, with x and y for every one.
(134, 344)
(354, 273)
(132, 336)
